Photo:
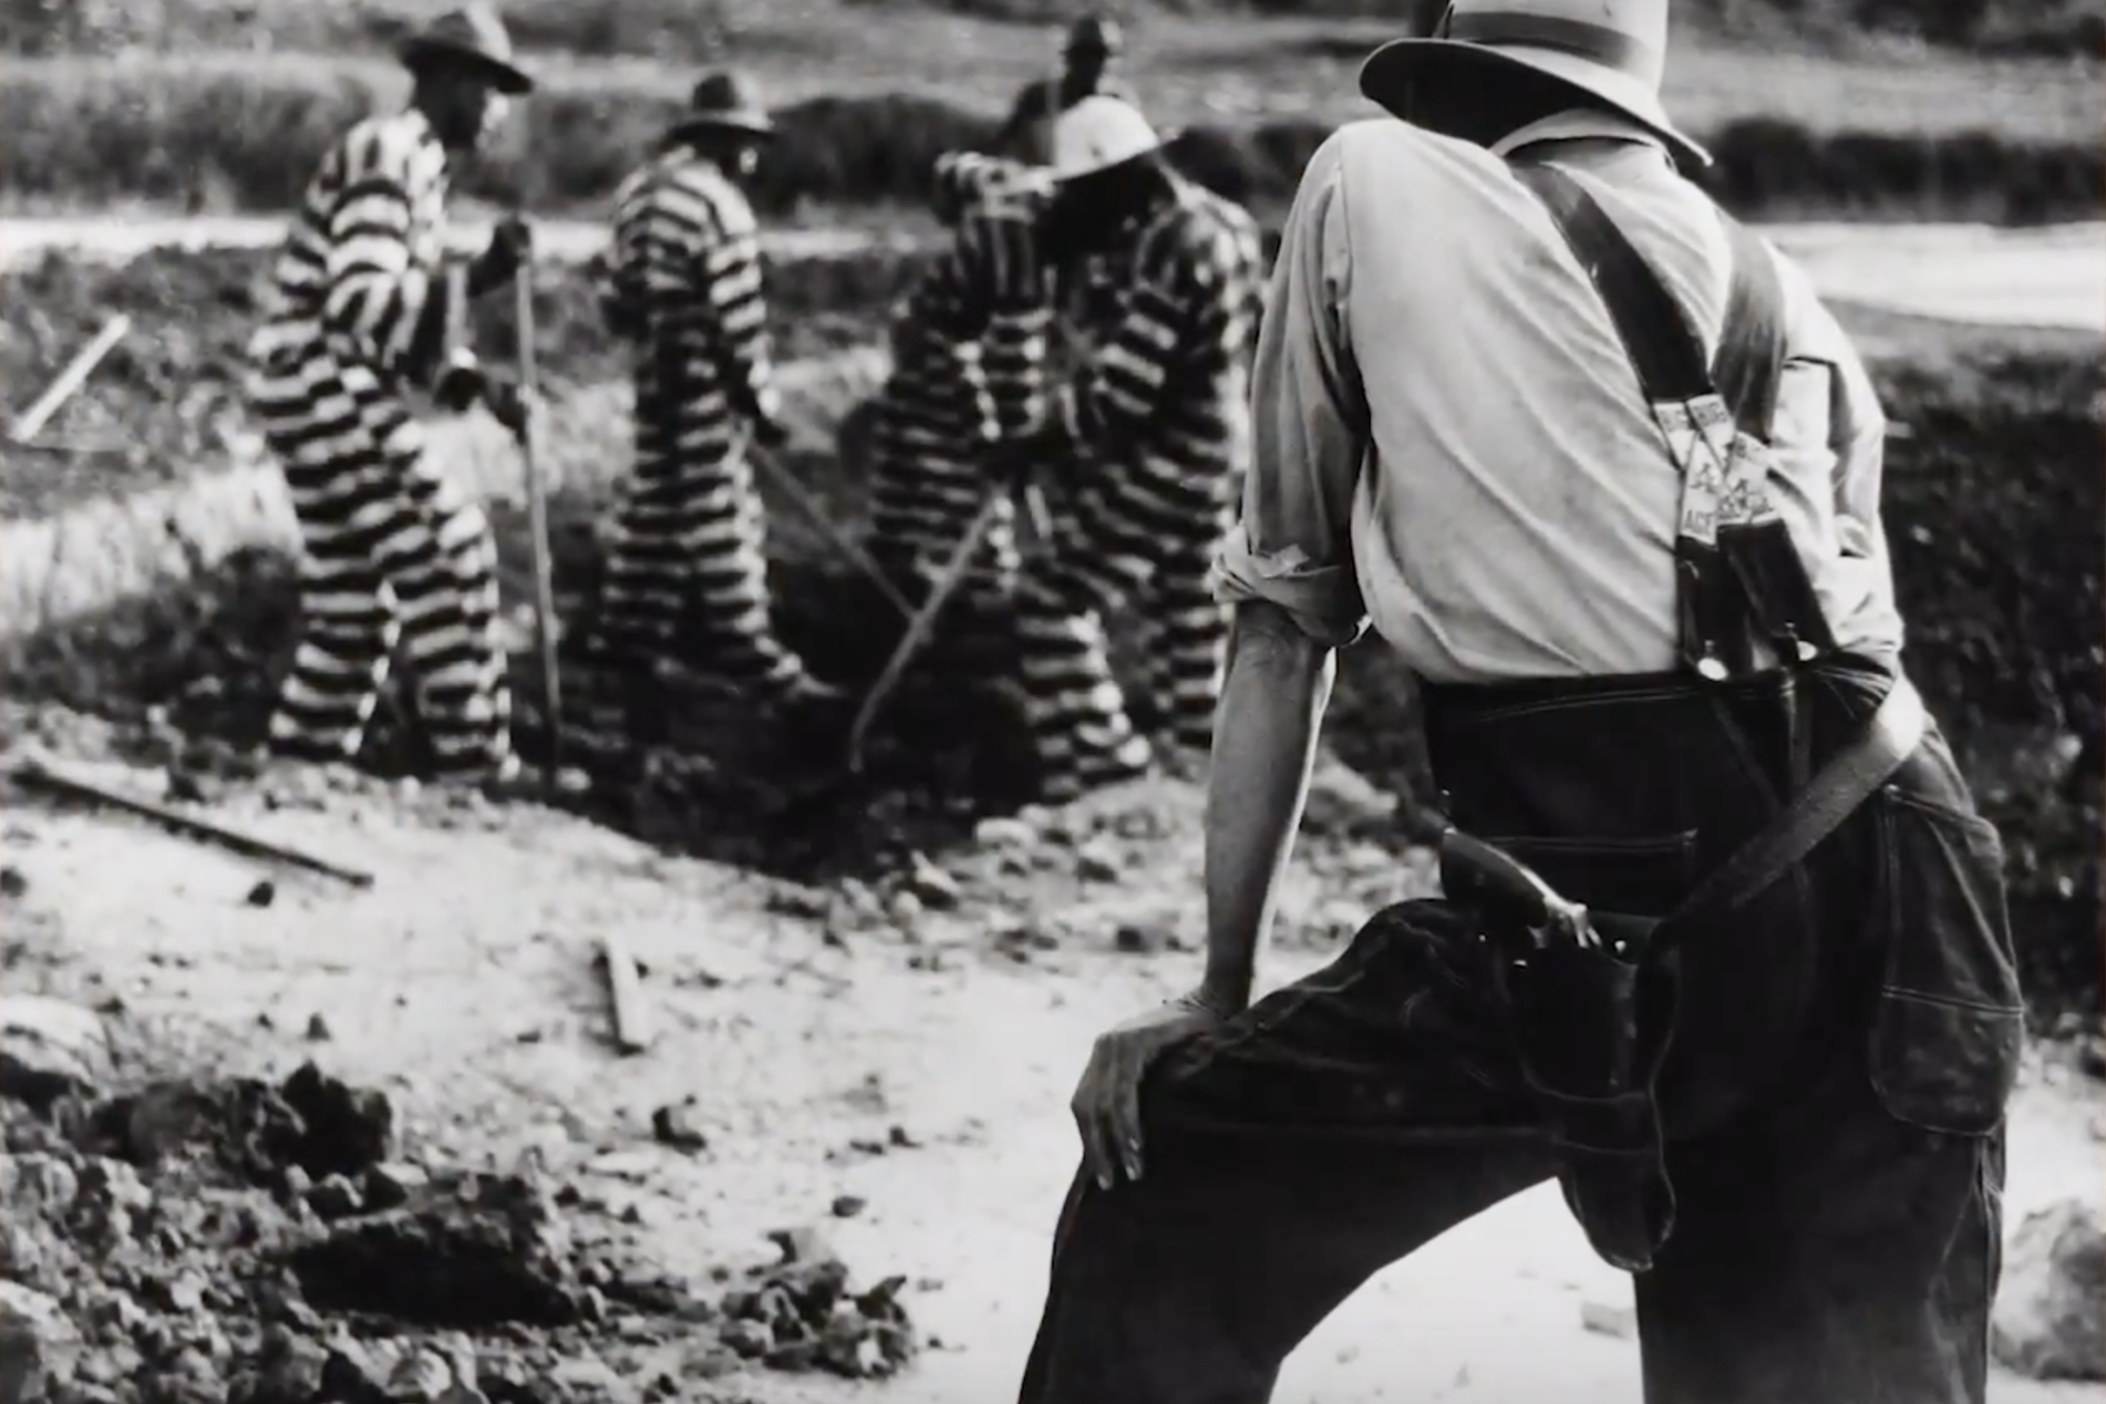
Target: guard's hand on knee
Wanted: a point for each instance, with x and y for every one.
(1107, 1103)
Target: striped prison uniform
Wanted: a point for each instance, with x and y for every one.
(1152, 442)
(968, 367)
(686, 560)
(361, 310)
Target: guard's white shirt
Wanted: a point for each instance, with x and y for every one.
(1450, 441)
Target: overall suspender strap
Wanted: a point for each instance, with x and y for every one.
(1739, 578)
(1750, 362)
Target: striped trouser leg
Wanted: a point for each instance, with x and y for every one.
(442, 563)
(686, 561)
(348, 630)
(1184, 497)
(925, 490)
(924, 494)
(1072, 703)
(336, 479)
(1186, 654)
(724, 527)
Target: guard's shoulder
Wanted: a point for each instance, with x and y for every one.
(1389, 140)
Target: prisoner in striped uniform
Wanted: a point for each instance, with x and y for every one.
(360, 311)
(1143, 454)
(968, 369)
(686, 566)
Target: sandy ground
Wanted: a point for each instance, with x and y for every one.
(2052, 277)
(461, 982)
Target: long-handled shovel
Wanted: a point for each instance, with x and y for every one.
(815, 516)
(537, 530)
(922, 626)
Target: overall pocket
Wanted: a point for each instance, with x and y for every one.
(1948, 1028)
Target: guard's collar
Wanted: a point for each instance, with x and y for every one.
(1576, 123)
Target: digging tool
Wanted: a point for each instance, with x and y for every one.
(40, 774)
(632, 1013)
(31, 421)
(922, 626)
(813, 513)
(537, 530)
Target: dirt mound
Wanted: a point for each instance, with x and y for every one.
(239, 1241)
(166, 402)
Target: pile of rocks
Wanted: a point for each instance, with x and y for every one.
(201, 1243)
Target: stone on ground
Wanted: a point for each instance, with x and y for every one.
(50, 1049)
(37, 1344)
(2051, 1312)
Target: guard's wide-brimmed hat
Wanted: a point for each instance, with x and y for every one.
(1615, 50)
(474, 37)
(725, 101)
(1098, 133)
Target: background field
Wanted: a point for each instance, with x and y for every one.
(226, 106)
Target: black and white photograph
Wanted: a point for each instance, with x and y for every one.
(952, 701)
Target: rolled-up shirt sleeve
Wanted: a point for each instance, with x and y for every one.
(1293, 547)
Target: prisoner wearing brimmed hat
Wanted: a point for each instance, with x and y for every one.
(1142, 453)
(1089, 59)
(1597, 466)
(360, 311)
(680, 283)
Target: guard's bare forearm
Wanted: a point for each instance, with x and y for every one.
(1265, 730)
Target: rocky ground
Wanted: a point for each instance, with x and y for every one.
(274, 1138)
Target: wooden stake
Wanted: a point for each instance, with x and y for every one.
(32, 420)
(41, 775)
(632, 1013)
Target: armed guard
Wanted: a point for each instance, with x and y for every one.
(1724, 946)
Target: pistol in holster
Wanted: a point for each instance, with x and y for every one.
(1590, 1018)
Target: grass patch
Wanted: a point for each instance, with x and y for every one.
(215, 138)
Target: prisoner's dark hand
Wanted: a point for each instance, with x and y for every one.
(508, 404)
(459, 385)
(1014, 463)
(500, 261)
(1107, 1103)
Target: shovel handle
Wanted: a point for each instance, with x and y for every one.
(922, 626)
(537, 529)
